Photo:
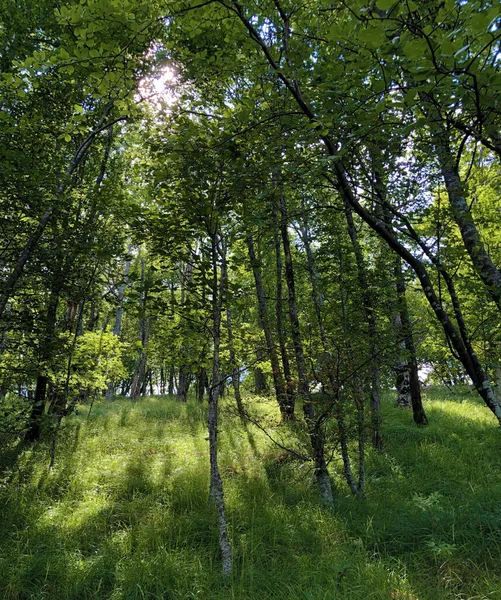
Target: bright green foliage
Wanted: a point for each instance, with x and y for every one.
(96, 361)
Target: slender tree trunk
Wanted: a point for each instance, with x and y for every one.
(482, 262)
(93, 316)
(201, 383)
(286, 410)
(314, 426)
(401, 368)
(140, 372)
(117, 327)
(282, 338)
(216, 483)
(184, 358)
(170, 387)
(461, 211)
(235, 375)
(39, 400)
(139, 379)
(24, 256)
(370, 318)
(414, 385)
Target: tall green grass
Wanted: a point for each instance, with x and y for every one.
(124, 513)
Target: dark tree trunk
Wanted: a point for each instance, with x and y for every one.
(260, 383)
(282, 337)
(202, 381)
(401, 367)
(183, 384)
(414, 385)
(170, 388)
(162, 381)
(139, 379)
(34, 427)
(235, 375)
(286, 410)
(314, 426)
(39, 401)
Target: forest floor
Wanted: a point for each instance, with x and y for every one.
(124, 512)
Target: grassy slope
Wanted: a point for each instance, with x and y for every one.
(124, 514)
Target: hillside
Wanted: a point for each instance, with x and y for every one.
(124, 513)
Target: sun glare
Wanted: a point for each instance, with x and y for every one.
(159, 90)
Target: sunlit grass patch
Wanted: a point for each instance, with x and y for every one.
(124, 514)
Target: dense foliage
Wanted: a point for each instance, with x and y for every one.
(299, 200)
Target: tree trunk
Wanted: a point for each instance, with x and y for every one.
(201, 383)
(314, 426)
(461, 212)
(282, 338)
(183, 385)
(286, 410)
(216, 483)
(170, 387)
(39, 401)
(482, 262)
(117, 327)
(260, 383)
(32, 242)
(401, 368)
(414, 385)
(235, 375)
(140, 372)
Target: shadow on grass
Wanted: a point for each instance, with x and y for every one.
(125, 514)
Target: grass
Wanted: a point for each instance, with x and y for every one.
(124, 513)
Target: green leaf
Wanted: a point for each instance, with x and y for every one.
(385, 4)
(415, 48)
